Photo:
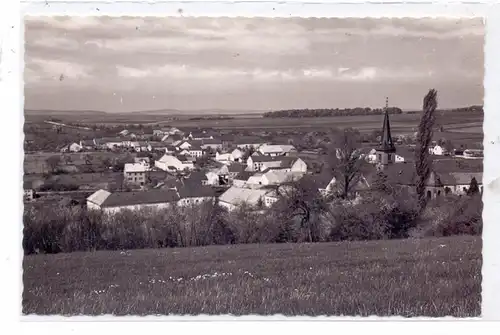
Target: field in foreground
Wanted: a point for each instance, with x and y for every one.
(431, 277)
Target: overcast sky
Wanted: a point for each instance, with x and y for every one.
(126, 64)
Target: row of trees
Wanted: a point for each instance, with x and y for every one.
(297, 113)
(301, 215)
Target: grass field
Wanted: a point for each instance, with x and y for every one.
(432, 277)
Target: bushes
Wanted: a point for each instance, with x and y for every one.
(376, 216)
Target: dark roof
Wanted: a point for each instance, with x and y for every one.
(287, 161)
(189, 191)
(248, 140)
(157, 144)
(109, 139)
(182, 158)
(195, 147)
(259, 158)
(141, 197)
(212, 141)
(196, 176)
(244, 175)
(236, 167)
(320, 180)
(386, 143)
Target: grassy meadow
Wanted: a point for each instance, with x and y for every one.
(428, 277)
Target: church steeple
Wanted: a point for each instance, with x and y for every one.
(386, 143)
(386, 149)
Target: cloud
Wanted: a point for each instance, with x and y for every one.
(38, 69)
(185, 72)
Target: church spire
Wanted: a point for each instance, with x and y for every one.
(386, 144)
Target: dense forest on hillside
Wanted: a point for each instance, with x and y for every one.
(297, 113)
(325, 112)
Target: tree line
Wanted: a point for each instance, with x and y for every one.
(325, 112)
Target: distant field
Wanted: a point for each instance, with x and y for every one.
(431, 277)
(403, 122)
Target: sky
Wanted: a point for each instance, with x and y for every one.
(120, 64)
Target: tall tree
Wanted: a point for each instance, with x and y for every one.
(424, 138)
(344, 160)
(473, 187)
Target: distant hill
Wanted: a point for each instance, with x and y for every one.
(197, 112)
(61, 112)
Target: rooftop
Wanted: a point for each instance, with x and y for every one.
(134, 167)
(143, 197)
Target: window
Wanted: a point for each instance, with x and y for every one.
(429, 194)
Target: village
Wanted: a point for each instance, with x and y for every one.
(189, 167)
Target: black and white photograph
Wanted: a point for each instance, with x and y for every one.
(240, 166)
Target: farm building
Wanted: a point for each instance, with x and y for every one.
(277, 150)
(236, 196)
(173, 163)
(112, 203)
(135, 173)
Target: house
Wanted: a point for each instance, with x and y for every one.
(473, 153)
(29, 191)
(193, 195)
(203, 135)
(278, 177)
(174, 163)
(87, 144)
(124, 132)
(438, 150)
(255, 180)
(171, 138)
(182, 145)
(277, 150)
(135, 173)
(95, 200)
(109, 142)
(234, 169)
(255, 163)
(462, 180)
(241, 178)
(247, 142)
(236, 155)
(111, 203)
(236, 196)
(223, 158)
(438, 183)
(158, 146)
(73, 147)
(211, 143)
(195, 151)
(144, 161)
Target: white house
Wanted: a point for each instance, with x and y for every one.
(236, 155)
(223, 158)
(277, 149)
(135, 173)
(73, 147)
(195, 151)
(437, 150)
(182, 145)
(144, 161)
(173, 163)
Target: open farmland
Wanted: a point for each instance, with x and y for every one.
(400, 123)
(433, 277)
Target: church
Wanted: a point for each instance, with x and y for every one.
(438, 184)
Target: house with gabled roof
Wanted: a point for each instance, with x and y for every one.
(277, 149)
(235, 196)
(174, 163)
